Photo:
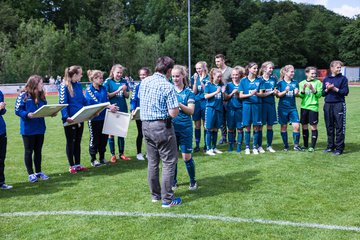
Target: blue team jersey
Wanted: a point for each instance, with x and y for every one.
(200, 88)
(111, 86)
(135, 100)
(29, 126)
(247, 86)
(288, 101)
(2, 112)
(268, 86)
(216, 101)
(96, 96)
(183, 121)
(76, 102)
(235, 101)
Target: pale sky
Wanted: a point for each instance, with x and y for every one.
(348, 8)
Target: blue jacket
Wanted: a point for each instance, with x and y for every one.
(75, 102)
(135, 100)
(2, 112)
(95, 96)
(29, 126)
(339, 82)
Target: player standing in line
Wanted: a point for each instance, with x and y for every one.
(198, 81)
(310, 92)
(226, 77)
(287, 112)
(30, 99)
(335, 88)
(249, 89)
(118, 91)
(70, 92)
(96, 93)
(234, 109)
(183, 123)
(213, 91)
(134, 103)
(3, 143)
(268, 91)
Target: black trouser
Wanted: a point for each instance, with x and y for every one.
(33, 144)
(73, 136)
(98, 141)
(139, 137)
(335, 121)
(3, 143)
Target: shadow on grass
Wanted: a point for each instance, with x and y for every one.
(61, 180)
(221, 184)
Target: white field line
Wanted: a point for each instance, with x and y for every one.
(192, 216)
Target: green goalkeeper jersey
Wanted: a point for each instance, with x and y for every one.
(310, 100)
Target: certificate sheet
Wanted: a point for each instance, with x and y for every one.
(87, 113)
(116, 124)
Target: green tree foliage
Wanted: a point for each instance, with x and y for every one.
(349, 43)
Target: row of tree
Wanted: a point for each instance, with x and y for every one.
(44, 37)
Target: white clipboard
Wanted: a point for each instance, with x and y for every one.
(136, 115)
(116, 124)
(87, 113)
(48, 110)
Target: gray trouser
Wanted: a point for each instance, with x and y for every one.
(160, 145)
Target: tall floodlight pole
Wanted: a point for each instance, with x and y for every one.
(189, 40)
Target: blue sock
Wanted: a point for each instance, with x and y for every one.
(121, 145)
(208, 140)
(175, 175)
(284, 137)
(111, 145)
(214, 139)
(190, 167)
(197, 136)
(260, 136)
(239, 141)
(269, 137)
(231, 139)
(247, 139)
(296, 136)
(255, 139)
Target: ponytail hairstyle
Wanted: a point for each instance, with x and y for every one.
(31, 87)
(284, 70)
(264, 66)
(111, 75)
(241, 71)
(69, 73)
(92, 74)
(213, 71)
(146, 69)
(183, 72)
(308, 69)
(250, 65)
(203, 66)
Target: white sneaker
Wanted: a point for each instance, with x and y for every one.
(215, 150)
(140, 157)
(95, 163)
(210, 152)
(255, 151)
(261, 150)
(270, 149)
(247, 151)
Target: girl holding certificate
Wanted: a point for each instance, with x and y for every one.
(31, 98)
(70, 92)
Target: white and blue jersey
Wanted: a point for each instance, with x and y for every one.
(135, 100)
(119, 99)
(76, 102)
(215, 102)
(288, 101)
(199, 96)
(2, 112)
(23, 106)
(248, 87)
(268, 86)
(235, 102)
(96, 96)
(268, 102)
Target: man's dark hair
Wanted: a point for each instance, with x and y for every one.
(220, 56)
(163, 64)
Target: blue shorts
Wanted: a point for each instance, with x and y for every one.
(234, 118)
(269, 114)
(199, 111)
(288, 115)
(251, 114)
(184, 140)
(213, 118)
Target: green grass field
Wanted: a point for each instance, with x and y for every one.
(297, 187)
